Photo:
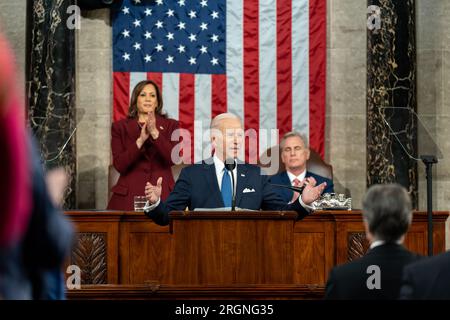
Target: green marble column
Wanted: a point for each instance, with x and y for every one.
(391, 82)
(50, 74)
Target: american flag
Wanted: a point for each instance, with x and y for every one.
(262, 60)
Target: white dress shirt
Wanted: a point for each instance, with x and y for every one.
(300, 177)
(292, 177)
(378, 243)
(220, 165)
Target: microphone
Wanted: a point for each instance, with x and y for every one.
(230, 164)
(297, 189)
(62, 148)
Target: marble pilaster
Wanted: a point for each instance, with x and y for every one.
(50, 77)
(391, 82)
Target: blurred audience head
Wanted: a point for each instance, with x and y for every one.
(15, 184)
(387, 212)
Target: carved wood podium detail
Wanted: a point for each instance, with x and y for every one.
(89, 254)
(358, 245)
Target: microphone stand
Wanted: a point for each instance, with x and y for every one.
(62, 148)
(429, 161)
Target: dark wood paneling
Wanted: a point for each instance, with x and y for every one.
(145, 252)
(223, 249)
(237, 251)
(249, 292)
(313, 251)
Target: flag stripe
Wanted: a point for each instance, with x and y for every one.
(171, 89)
(300, 66)
(235, 56)
(121, 85)
(284, 66)
(156, 77)
(251, 63)
(202, 114)
(267, 72)
(317, 80)
(219, 94)
(135, 78)
(187, 109)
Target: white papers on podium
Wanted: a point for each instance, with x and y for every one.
(222, 209)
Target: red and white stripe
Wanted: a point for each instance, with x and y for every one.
(276, 75)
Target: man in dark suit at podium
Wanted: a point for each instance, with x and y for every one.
(209, 184)
(427, 279)
(377, 275)
(294, 154)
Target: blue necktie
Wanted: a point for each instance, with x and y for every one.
(226, 188)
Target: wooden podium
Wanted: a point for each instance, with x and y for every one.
(220, 248)
(223, 254)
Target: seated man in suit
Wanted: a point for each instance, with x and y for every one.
(377, 275)
(209, 184)
(427, 279)
(294, 154)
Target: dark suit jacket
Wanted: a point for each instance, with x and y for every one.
(286, 194)
(349, 281)
(197, 187)
(427, 279)
(137, 166)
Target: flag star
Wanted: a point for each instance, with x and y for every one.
(215, 15)
(159, 47)
(192, 14)
(148, 12)
(214, 61)
(170, 36)
(204, 3)
(137, 23)
(148, 35)
(159, 2)
(192, 37)
(181, 3)
(204, 26)
(126, 56)
(192, 60)
(170, 13)
(148, 58)
(137, 1)
(181, 48)
(137, 46)
(126, 10)
(126, 33)
(215, 38)
(159, 24)
(203, 49)
(169, 59)
(182, 25)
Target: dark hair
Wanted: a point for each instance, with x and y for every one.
(132, 109)
(388, 211)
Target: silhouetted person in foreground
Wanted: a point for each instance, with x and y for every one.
(377, 275)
